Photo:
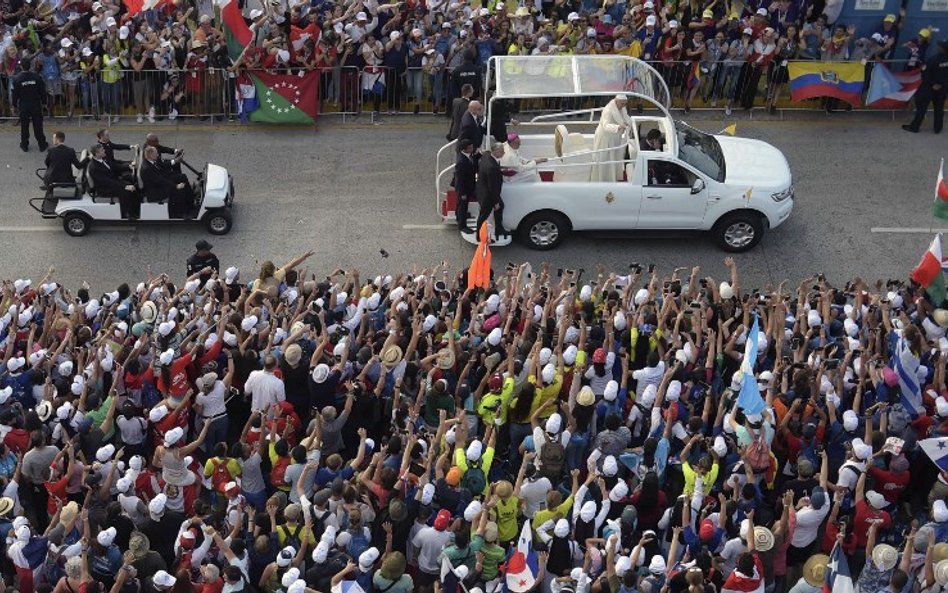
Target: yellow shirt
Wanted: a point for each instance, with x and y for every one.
(487, 409)
(544, 515)
(546, 394)
(507, 511)
(709, 478)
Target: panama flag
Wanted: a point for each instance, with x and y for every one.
(522, 566)
(892, 90)
(749, 398)
(940, 208)
(838, 578)
(937, 451)
(906, 365)
(236, 31)
(928, 273)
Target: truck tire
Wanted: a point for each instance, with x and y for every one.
(76, 224)
(544, 230)
(218, 222)
(739, 231)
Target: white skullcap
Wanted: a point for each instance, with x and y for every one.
(611, 392)
(554, 423)
(588, 511)
(548, 374)
(493, 338)
(561, 529)
(545, 355)
(609, 466)
(472, 510)
(569, 355)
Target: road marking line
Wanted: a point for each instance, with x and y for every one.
(426, 227)
(54, 229)
(907, 230)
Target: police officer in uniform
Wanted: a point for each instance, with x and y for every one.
(933, 90)
(203, 258)
(29, 91)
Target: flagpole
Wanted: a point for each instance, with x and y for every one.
(931, 224)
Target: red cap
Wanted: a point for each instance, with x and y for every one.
(496, 382)
(706, 531)
(599, 356)
(442, 520)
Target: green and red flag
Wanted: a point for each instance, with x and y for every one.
(929, 272)
(940, 208)
(236, 31)
(286, 98)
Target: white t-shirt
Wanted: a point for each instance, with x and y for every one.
(808, 525)
(430, 542)
(132, 429)
(213, 403)
(533, 494)
(732, 549)
(265, 390)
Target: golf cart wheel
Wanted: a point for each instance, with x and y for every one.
(218, 222)
(544, 230)
(76, 224)
(739, 232)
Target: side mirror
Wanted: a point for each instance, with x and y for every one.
(698, 186)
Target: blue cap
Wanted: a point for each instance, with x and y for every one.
(818, 498)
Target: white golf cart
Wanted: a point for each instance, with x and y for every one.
(79, 206)
(733, 187)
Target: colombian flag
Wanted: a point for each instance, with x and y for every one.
(842, 80)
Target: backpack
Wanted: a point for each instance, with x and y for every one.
(292, 539)
(758, 452)
(221, 475)
(319, 522)
(358, 544)
(474, 479)
(278, 475)
(552, 460)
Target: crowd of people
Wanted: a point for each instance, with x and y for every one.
(284, 431)
(110, 58)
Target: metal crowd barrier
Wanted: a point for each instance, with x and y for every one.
(348, 91)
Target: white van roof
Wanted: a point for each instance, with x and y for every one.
(523, 77)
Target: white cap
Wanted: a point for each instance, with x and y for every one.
(611, 392)
(173, 436)
(573, 16)
(725, 290)
(474, 450)
(649, 22)
(106, 537)
(548, 374)
(163, 579)
(609, 466)
(553, 424)
(360, 16)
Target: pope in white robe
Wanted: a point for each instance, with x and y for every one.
(611, 133)
(516, 168)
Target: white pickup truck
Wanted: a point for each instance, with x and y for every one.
(736, 188)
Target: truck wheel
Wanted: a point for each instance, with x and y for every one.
(76, 224)
(739, 232)
(218, 222)
(544, 230)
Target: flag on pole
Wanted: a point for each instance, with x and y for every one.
(838, 577)
(749, 398)
(937, 451)
(940, 208)
(892, 90)
(928, 273)
(522, 566)
(236, 31)
(905, 364)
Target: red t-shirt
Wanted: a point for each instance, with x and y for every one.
(18, 440)
(57, 491)
(864, 514)
(892, 484)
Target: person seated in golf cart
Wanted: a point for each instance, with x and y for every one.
(159, 183)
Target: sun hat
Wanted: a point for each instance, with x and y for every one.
(763, 538)
(814, 569)
(884, 556)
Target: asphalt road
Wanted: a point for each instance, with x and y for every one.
(348, 191)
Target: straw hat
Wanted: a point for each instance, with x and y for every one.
(940, 552)
(393, 566)
(392, 357)
(139, 545)
(68, 513)
(885, 556)
(445, 359)
(814, 570)
(941, 573)
(763, 539)
(6, 505)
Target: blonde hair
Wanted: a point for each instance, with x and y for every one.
(695, 579)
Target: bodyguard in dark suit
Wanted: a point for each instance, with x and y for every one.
(458, 109)
(60, 159)
(107, 183)
(29, 92)
(472, 125)
(490, 181)
(465, 182)
(122, 168)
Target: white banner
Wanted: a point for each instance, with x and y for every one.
(870, 5)
(935, 5)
